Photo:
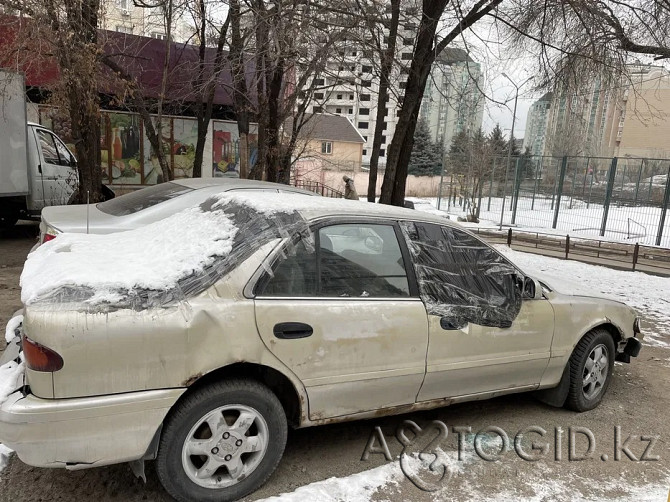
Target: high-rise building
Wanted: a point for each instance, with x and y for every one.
(536, 125)
(452, 100)
(126, 17)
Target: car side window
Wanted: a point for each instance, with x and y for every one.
(293, 274)
(361, 260)
(66, 158)
(49, 151)
(462, 278)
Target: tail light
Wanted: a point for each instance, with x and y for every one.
(48, 237)
(40, 358)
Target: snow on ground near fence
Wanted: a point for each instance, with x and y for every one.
(648, 294)
(624, 223)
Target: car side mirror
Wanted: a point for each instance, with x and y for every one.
(532, 289)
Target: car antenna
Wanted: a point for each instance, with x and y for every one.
(87, 207)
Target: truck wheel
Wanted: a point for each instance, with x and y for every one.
(222, 442)
(8, 219)
(591, 367)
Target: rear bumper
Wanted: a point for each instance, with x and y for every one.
(83, 432)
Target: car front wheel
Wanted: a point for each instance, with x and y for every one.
(591, 367)
(222, 442)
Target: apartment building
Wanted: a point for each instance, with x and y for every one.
(452, 100)
(536, 125)
(125, 17)
(641, 124)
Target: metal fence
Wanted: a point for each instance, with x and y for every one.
(623, 199)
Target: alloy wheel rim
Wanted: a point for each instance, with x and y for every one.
(225, 446)
(595, 372)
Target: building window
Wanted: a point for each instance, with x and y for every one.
(408, 40)
(362, 125)
(367, 69)
(317, 109)
(365, 152)
(351, 97)
(339, 96)
(159, 36)
(365, 97)
(318, 81)
(351, 110)
(403, 85)
(382, 152)
(384, 126)
(383, 140)
(410, 26)
(365, 138)
(124, 29)
(406, 56)
(326, 147)
(318, 95)
(364, 111)
(338, 110)
(366, 83)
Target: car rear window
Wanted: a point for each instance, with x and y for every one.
(142, 199)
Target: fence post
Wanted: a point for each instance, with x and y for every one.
(608, 195)
(664, 209)
(493, 175)
(509, 238)
(439, 193)
(567, 246)
(538, 173)
(639, 178)
(636, 253)
(572, 192)
(517, 188)
(559, 191)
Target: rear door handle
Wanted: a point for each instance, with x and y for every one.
(292, 330)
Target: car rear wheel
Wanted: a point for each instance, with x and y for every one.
(591, 367)
(222, 442)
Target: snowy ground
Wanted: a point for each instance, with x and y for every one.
(624, 224)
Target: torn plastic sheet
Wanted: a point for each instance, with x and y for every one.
(461, 278)
(245, 230)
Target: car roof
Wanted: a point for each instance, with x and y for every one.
(231, 183)
(314, 208)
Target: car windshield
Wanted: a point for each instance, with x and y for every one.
(142, 199)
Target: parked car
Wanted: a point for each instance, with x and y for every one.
(317, 311)
(146, 205)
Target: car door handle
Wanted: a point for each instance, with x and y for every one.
(292, 330)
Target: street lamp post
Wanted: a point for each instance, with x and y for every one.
(509, 143)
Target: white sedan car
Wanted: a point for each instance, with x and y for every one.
(145, 206)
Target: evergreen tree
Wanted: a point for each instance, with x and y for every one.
(426, 158)
(497, 142)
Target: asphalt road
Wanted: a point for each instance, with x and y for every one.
(638, 401)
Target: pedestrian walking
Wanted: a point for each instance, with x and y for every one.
(349, 189)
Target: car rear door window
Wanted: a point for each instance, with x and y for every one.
(462, 278)
(352, 260)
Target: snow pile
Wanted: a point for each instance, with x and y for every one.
(153, 257)
(4, 456)
(648, 294)
(11, 378)
(13, 323)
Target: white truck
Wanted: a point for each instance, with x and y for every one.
(36, 168)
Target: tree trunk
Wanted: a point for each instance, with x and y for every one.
(385, 73)
(240, 96)
(400, 150)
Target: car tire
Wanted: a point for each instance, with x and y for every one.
(8, 219)
(194, 457)
(591, 367)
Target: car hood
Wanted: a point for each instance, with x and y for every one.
(73, 218)
(571, 288)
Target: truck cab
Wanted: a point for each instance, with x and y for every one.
(50, 171)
